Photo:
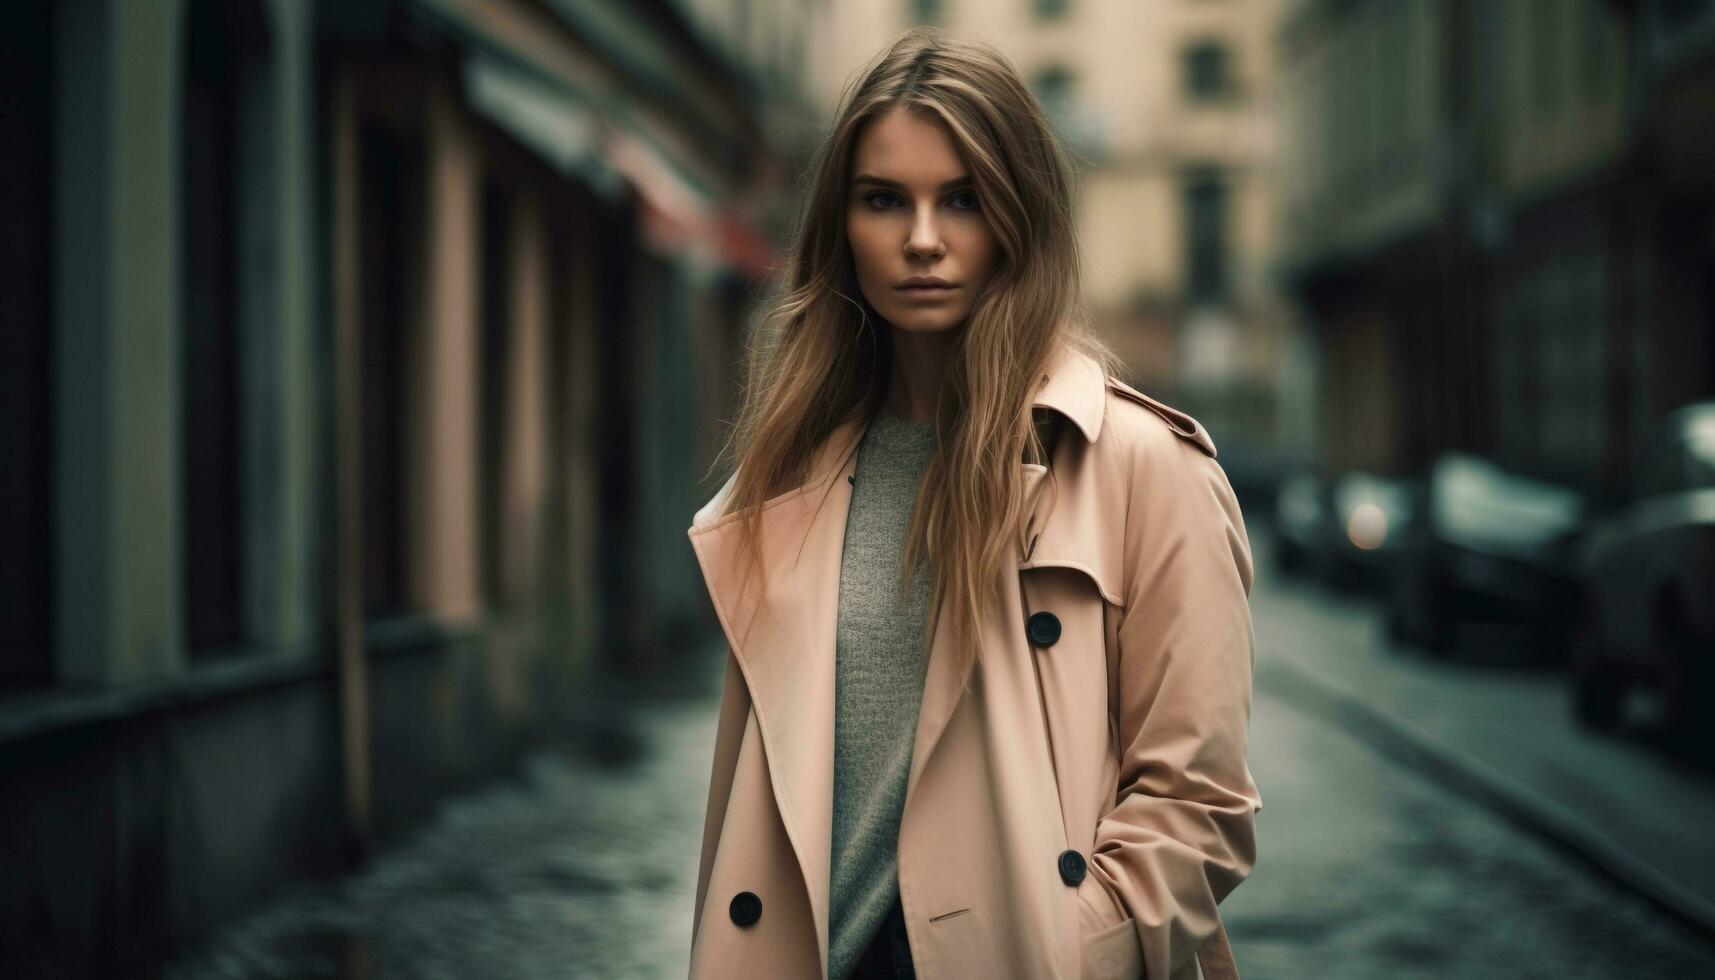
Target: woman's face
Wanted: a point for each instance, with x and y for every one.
(912, 213)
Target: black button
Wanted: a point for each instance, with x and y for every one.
(745, 909)
(1043, 628)
(1071, 867)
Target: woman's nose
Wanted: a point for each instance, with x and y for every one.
(925, 235)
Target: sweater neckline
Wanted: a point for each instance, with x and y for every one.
(889, 429)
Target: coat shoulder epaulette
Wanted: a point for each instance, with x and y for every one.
(1181, 423)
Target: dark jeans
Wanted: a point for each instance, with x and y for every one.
(888, 956)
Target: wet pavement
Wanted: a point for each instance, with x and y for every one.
(1368, 869)
(1384, 850)
(1493, 717)
(584, 863)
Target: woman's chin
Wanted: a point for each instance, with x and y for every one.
(926, 321)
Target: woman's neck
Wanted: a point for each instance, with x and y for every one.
(919, 366)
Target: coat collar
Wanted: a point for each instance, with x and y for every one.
(1075, 386)
(1072, 384)
(782, 636)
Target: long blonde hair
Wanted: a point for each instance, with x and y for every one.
(821, 357)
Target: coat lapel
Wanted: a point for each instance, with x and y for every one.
(783, 640)
(783, 637)
(1073, 386)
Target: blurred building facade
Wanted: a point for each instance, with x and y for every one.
(1497, 215)
(366, 360)
(1168, 109)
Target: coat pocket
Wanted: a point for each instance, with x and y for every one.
(1113, 953)
(1108, 933)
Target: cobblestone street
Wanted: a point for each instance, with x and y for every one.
(583, 864)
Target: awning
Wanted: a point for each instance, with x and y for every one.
(541, 115)
(747, 250)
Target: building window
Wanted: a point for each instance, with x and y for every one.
(390, 232)
(1545, 55)
(1682, 15)
(224, 111)
(926, 11)
(496, 346)
(1598, 32)
(1049, 9)
(1208, 72)
(1205, 210)
(26, 349)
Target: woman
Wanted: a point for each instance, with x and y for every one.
(989, 680)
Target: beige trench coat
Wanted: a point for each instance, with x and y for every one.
(1124, 740)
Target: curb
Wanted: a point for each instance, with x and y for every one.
(1476, 779)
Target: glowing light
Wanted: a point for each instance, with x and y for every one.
(1367, 527)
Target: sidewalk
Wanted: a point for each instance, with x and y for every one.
(1502, 733)
(580, 864)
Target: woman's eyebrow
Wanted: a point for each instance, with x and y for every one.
(896, 185)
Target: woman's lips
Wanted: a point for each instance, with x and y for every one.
(927, 292)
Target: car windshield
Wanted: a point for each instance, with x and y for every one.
(1478, 504)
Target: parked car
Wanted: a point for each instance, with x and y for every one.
(1492, 546)
(1346, 531)
(1301, 521)
(1649, 574)
(1373, 515)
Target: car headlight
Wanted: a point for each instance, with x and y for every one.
(1366, 527)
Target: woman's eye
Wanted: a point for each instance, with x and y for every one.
(882, 200)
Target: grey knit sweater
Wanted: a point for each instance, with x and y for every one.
(878, 683)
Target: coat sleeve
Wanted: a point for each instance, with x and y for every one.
(1181, 835)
